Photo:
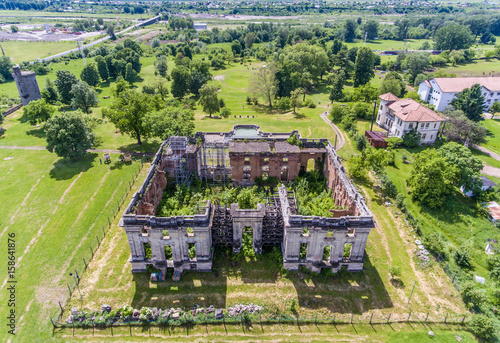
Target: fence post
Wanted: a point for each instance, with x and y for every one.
(69, 289)
(463, 319)
(446, 317)
(409, 314)
(315, 318)
(98, 243)
(103, 232)
(54, 325)
(427, 316)
(78, 276)
(371, 318)
(333, 321)
(454, 278)
(85, 263)
(92, 251)
(352, 317)
(61, 307)
(389, 318)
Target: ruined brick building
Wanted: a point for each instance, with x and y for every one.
(26, 85)
(240, 156)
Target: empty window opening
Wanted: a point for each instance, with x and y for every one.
(347, 250)
(165, 234)
(311, 164)
(247, 242)
(247, 172)
(326, 253)
(147, 250)
(144, 231)
(305, 231)
(192, 250)
(329, 234)
(247, 160)
(285, 159)
(266, 160)
(190, 231)
(284, 173)
(303, 251)
(168, 253)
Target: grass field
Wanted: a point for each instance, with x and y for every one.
(493, 138)
(21, 51)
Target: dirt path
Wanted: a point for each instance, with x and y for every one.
(489, 170)
(492, 171)
(340, 135)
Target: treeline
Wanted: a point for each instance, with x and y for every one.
(22, 6)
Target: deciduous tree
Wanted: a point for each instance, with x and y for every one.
(84, 96)
(170, 121)
(64, 81)
(90, 75)
(363, 68)
(453, 37)
(209, 99)
(263, 83)
(38, 111)
(181, 81)
(471, 102)
(68, 135)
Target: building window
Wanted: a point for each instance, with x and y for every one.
(432, 136)
(381, 107)
(411, 126)
(423, 136)
(427, 125)
(435, 125)
(422, 125)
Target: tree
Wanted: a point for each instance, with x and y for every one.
(236, 47)
(170, 121)
(161, 87)
(50, 92)
(495, 108)
(363, 68)
(128, 111)
(5, 69)
(349, 30)
(110, 31)
(120, 86)
(393, 83)
(471, 102)
(342, 61)
(64, 81)
(365, 93)
(14, 28)
(416, 63)
(411, 139)
(263, 83)
(90, 75)
(161, 65)
(102, 67)
(181, 81)
(155, 43)
(336, 46)
(283, 104)
(200, 75)
(431, 178)
(249, 40)
(337, 91)
(130, 73)
(453, 37)
(395, 271)
(84, 97)
(209, 100)
(38, 111)
(468, 167)
(68, 135)
(460, 128)
(294, 98)
(371, 29)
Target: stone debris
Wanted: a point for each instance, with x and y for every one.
(106, 308)
(240, 309)
(70, 319)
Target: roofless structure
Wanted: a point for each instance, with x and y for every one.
(239, 156)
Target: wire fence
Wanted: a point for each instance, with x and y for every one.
(264, 318)
(83, 264)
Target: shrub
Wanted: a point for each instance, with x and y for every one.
(483, 327)
(283, 104)
(337, 112)
(225, 112)
(462, 257)
(395, 271)
(411, 139)
(361, 142)
(388, 186)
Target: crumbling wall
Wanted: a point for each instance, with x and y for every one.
(26, 85)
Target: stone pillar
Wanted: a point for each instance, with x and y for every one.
(358, 248)
(257, 237)
(237, 236)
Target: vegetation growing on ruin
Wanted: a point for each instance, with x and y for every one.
(184, 200)
(313, 197)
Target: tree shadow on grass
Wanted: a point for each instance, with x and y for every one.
(38, 132)
(457, 207)
(146, 147)
(66, 168)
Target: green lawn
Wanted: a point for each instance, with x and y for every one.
(22, 51)
(493, 138)
(55, 208)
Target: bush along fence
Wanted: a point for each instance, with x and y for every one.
(83, 264)
(239, 314)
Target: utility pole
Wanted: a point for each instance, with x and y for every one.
(414, 284)
(81, 51)
(373, 116)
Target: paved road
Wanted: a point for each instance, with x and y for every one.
(142, 23)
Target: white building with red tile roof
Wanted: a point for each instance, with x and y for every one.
(400, 116)
(441, 91)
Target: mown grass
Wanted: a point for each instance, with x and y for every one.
(23, 51)
(493, 137)
(55, 208)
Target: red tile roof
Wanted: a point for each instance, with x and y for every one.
(388, 97)
(458, 84)
(410, 110)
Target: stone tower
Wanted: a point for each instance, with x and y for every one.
(26, 85)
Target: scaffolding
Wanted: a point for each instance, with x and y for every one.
(216, 164)
(272, 223)
(222, 225)
(179, 160)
